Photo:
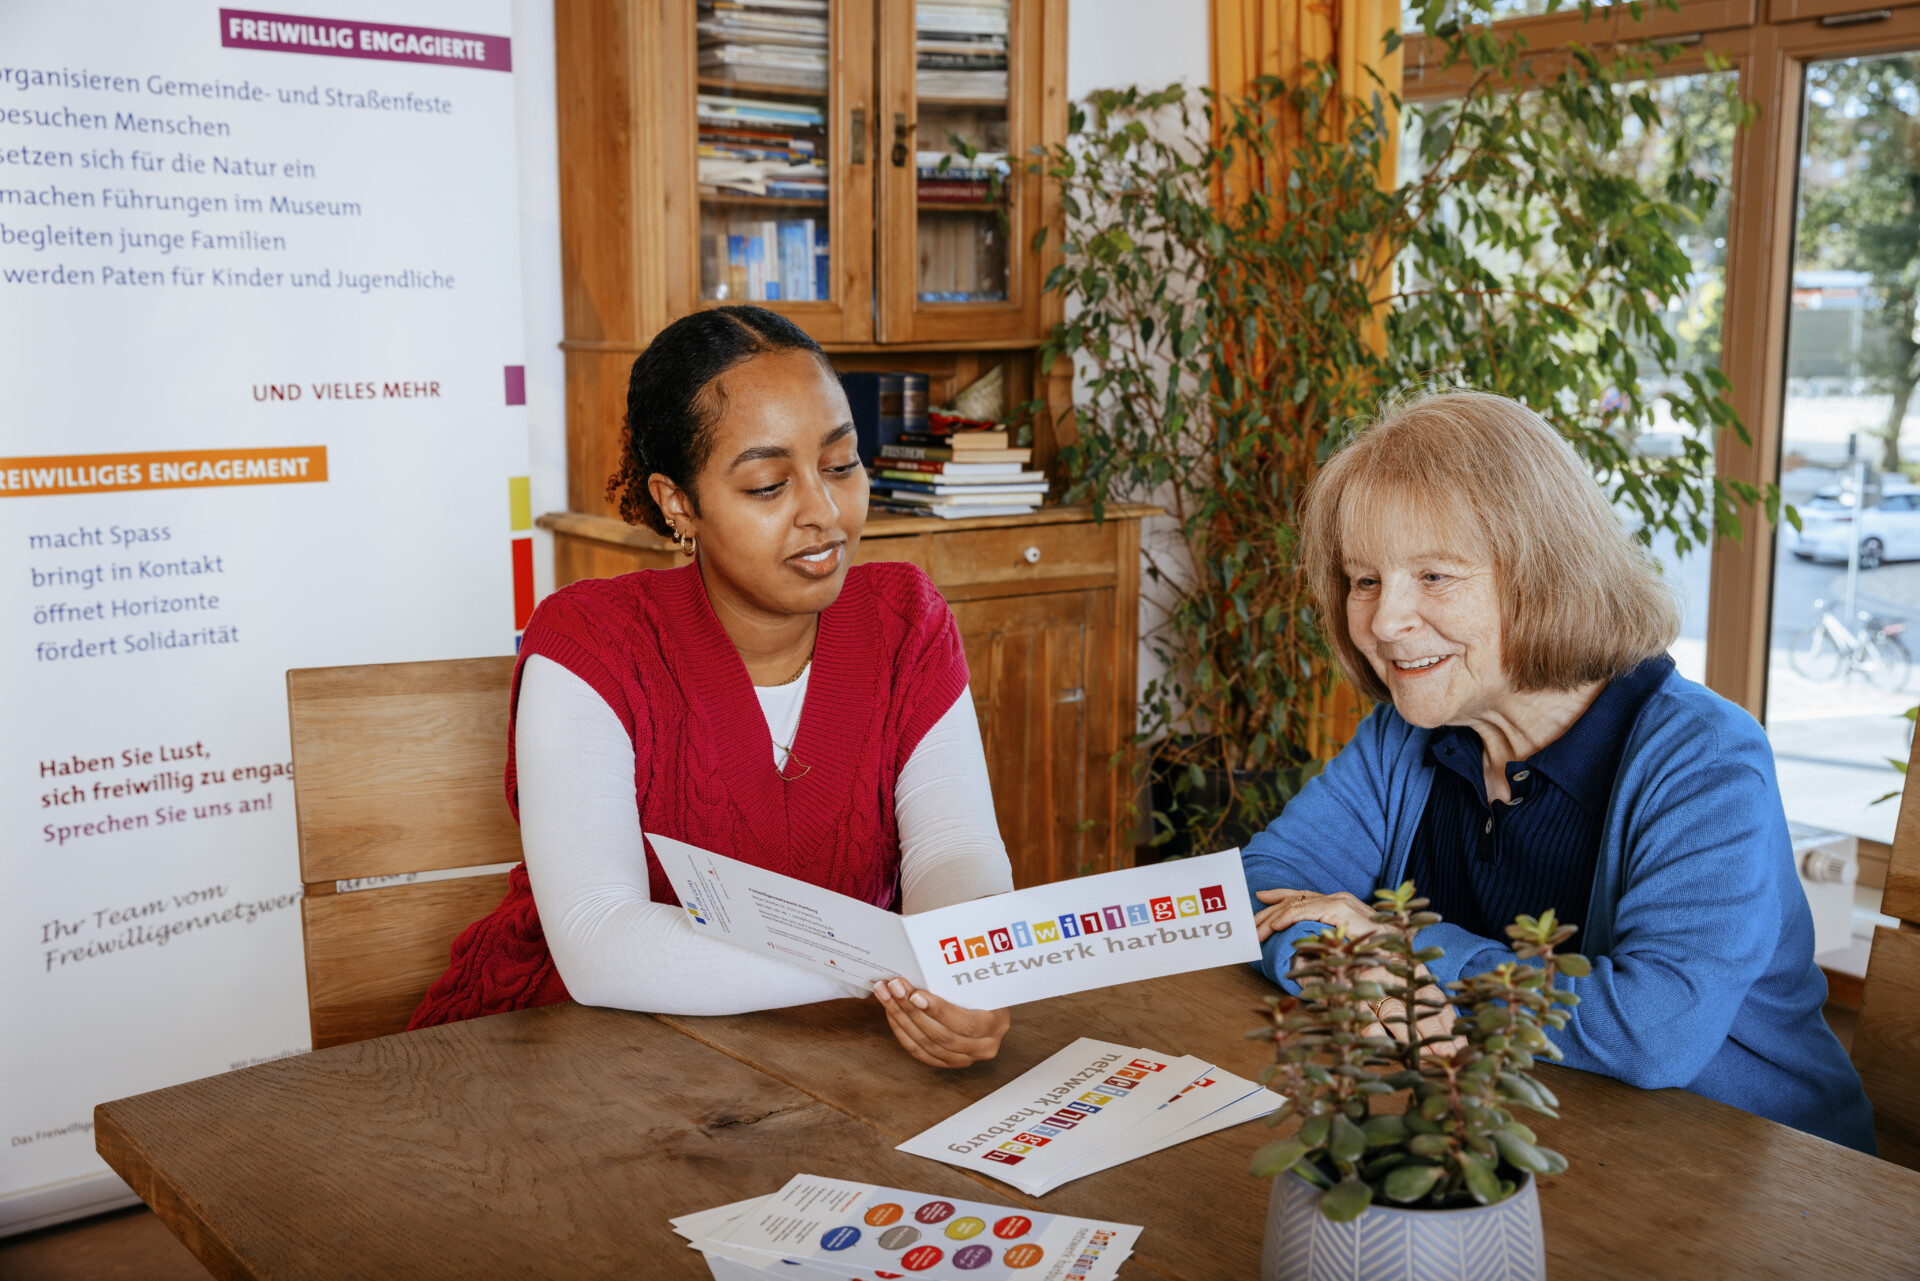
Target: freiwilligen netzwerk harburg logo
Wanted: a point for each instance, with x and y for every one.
(1110, 920)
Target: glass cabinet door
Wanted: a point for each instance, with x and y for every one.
(781, 204)
(958, 81)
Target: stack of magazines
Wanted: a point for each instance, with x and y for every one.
(766, 42)
(753, 147)
(961, 49)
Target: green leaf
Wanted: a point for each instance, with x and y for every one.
(1480, 1179)
(1347, 1200)
(1313, 1132)
(1346, 1141)
(1574, 964)
(1276, 1157)
(1385, 1129)
(1519, 1153)
(1411, 1182)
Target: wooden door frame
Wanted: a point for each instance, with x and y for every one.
(1036, 116)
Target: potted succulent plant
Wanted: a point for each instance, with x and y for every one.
(1409, 1158)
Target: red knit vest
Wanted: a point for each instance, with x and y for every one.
(887, 664)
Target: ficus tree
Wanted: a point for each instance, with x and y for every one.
(1247, 279)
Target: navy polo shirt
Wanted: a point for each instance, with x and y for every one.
(1481, 865)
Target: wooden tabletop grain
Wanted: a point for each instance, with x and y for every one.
(557, 1143)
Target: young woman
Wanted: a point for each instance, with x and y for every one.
(769, 701)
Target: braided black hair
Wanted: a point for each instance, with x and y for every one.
(673, 402)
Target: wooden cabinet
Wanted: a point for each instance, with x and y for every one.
(705, 159)
(1048, 608)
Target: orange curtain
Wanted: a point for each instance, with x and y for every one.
(1277, 37)
(1254, 38)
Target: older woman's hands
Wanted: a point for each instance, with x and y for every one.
(1290, 907)
(938, 1032)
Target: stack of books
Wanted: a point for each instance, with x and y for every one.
(755, 147)
(768, 42)
(823, 1229)
(960, 49)
(952, 179)
(952, 473)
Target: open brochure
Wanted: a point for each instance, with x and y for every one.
(990, 953)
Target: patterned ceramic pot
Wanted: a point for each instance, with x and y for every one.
(1481, 1243)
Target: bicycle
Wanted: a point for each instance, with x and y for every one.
(1829, 651)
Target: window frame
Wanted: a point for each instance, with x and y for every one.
(1769, 44)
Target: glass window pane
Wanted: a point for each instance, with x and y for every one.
(1847, 581)
(763, 150)
(963, 137)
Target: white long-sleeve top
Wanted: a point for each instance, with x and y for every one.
(580, 833)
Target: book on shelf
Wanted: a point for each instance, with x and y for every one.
(968, 500)
(907, 488)
(726, 109)
(913, 405)
(940, 453)
(911, 467)
(951, 513)
(944, 18)
(965, 441)
(955, 193)
(874, 398)
(894, 470)
(822, 276)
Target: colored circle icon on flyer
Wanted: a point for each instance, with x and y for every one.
(969, 1257)
(1014, 1225)
(934, 1212)
(921, 1257)
(881, 1215)
(968, 1226)
(839, 1238)
(899, 1238)
(1024, 1255)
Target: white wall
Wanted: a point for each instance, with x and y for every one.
(537, 128)
(1150, 43)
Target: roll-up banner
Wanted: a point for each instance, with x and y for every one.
(261, 351)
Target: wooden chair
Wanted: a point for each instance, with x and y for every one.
(398, 772)
(1886, 1042)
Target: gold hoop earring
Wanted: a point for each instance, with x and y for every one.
(688, 543)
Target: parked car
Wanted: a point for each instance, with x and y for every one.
(1889, 531)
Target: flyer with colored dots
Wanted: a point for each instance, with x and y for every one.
(852, 1231)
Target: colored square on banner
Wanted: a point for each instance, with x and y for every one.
(519, 504)
(522, 582)
(516, 384)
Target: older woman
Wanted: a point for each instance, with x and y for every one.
(1534, 748)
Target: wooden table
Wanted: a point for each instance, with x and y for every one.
(557, 1142)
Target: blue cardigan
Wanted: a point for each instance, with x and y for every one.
(1699, 933)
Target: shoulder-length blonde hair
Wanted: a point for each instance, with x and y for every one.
(1486, 478)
